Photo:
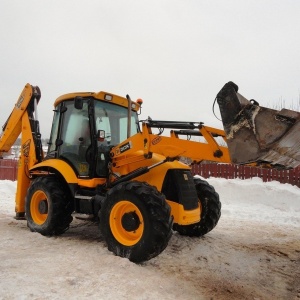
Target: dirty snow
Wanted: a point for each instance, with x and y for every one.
(253, 253)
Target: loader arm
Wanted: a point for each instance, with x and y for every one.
(23, 120)
(179, 144)
(206, 148)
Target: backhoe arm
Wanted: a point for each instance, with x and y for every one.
(22, 121)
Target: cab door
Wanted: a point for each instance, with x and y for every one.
(75, 137)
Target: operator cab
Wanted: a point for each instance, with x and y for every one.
(84, 130)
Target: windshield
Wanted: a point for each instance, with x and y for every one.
(113, 120)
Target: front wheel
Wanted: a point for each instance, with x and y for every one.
(135, 221)
(210, 212)
(48, 206)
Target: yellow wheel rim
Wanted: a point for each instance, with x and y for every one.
(39, 207)
(126, 223)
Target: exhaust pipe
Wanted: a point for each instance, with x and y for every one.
(257, 134)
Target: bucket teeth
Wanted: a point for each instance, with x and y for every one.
(257, 134)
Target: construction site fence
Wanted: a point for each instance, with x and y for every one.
(231, 171)
(9, 169)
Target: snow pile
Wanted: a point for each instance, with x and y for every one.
(256, 200)
(7, 197)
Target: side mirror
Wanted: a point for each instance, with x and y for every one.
(78, 103)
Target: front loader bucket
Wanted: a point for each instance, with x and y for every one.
(257, 134)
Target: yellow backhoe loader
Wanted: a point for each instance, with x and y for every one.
(103, 161)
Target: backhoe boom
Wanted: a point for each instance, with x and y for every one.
(22, 121)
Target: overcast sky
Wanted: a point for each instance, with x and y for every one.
(175, 55)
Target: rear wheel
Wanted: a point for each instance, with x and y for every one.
(210, 210)
(48, 206)
(135, 221)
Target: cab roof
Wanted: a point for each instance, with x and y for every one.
(100, 96)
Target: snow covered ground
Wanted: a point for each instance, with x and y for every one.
(253, 253)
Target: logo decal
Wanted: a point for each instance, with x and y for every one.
(125, 147)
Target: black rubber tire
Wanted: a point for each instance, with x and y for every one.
(210, 212)
(59, 206)
(157, 221)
